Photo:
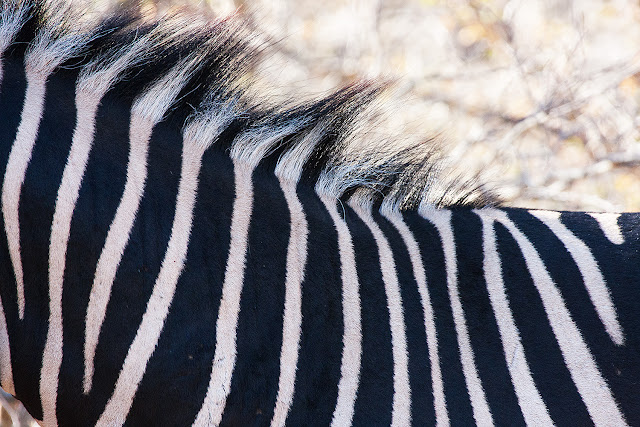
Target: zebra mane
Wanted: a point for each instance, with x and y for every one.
(202, 71)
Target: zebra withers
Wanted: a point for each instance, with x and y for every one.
(176, 248)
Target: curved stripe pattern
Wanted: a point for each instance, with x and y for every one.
(116, 241)
(609, 224)
(16, 170)
(401, 414)
(164, 288)
(352, 336)
(246, 153)
(147, 111)
(292, 321)
(7, 33)
(585, 374)
(591, 385)
(442, 221)
(533, 408)
(301, 133)
(593, 280)
(224, 358)
(439, 401)
(288, 170)
(87, 105)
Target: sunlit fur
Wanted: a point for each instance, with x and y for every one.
(174, 242)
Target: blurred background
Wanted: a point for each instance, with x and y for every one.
(541, 96)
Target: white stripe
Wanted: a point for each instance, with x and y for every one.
(6, 371)
(164, 288)
(351, 312)
(401, 413)
(441, 218)
(533, 407)
(147, 111)
(609, 224)
(591, 275)
(288, 171)
(116, 241)
(585, 374)
(292, 321)
(225, 354)
(442, 417)
(19, 159)
(60, 228)
(89, 92)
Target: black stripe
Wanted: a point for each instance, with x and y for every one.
(98, 200)
(254, 383)
(541, 349)
(178, 373)
(37, 202)
(12, 92)
(374, 402)
(566, 275)
(142, 257)
(620, 266)
(455, 388)
(481, 322)
(320, 353)
(422, 406)
(23, 347)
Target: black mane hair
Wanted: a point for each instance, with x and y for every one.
(346, 158)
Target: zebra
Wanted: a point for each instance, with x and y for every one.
(176, 249)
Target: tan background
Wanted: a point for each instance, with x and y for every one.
(541, 95)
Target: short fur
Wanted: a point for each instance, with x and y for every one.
(182, 246)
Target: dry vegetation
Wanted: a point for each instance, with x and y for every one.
(540, 95)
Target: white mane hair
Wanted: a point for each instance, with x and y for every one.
(203, 69)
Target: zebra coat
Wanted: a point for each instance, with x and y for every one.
(176, 249)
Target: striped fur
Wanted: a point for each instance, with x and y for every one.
(176, 248)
